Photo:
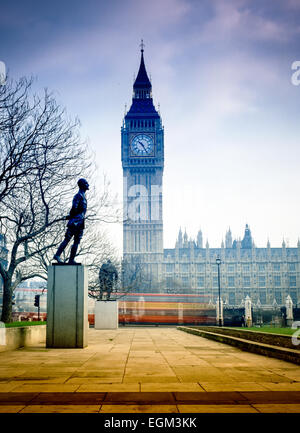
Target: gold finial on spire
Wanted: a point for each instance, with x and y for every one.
(142, 45)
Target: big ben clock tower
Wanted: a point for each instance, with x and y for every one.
(143, 164)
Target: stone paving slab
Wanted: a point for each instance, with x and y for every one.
(254, 398)
(146, 370)
(211, 397)
(83, 398)
(61, 409)
(110, 387)
(274, 397)
(277, 408)
(169, 387)
(139, 408)
(140, 397)
(211, 408)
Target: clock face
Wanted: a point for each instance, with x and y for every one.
(142, 145)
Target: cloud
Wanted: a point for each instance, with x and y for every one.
(107, 46)
(292, 4)
(235, 20)
(157, 12)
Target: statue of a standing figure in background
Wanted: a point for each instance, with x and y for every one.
(108, 276)
(75, 225)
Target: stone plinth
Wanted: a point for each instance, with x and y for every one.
(106, 315)
(67, 306)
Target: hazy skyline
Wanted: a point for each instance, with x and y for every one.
(221, 72)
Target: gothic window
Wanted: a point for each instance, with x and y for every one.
(261, 281)
(215, 281)
(292, 280)
(277, 280)
(170, 267)
(292, 267)
(184, 267)
(169, 282)
(200, 267)
(276, 266)
(200, 281)
(230, 268)
(278, 297)
(231, 299)
(293, 295)
(230, 281)
(246, 281)
(185, 281)
(261, 267)
(262, 297)
(246, 268)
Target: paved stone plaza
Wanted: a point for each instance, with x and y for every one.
(154, 369)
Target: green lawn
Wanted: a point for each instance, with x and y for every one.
(286, 331)
(25, 323)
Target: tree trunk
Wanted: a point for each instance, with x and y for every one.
(7, 302)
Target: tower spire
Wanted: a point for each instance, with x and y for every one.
(142, 45)
(142, 85)
(142, 102)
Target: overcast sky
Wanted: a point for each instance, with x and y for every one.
(221, 72)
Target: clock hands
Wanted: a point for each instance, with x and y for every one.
(142, 145)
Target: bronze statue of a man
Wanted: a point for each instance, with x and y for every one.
(75, 224)
(108, 275)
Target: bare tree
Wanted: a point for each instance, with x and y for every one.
(41, 159)
(15, 153)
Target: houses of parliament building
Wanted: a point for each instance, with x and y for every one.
(267, 274)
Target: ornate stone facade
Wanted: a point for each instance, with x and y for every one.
(267, 275)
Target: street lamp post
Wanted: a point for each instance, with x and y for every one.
(218, 261)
